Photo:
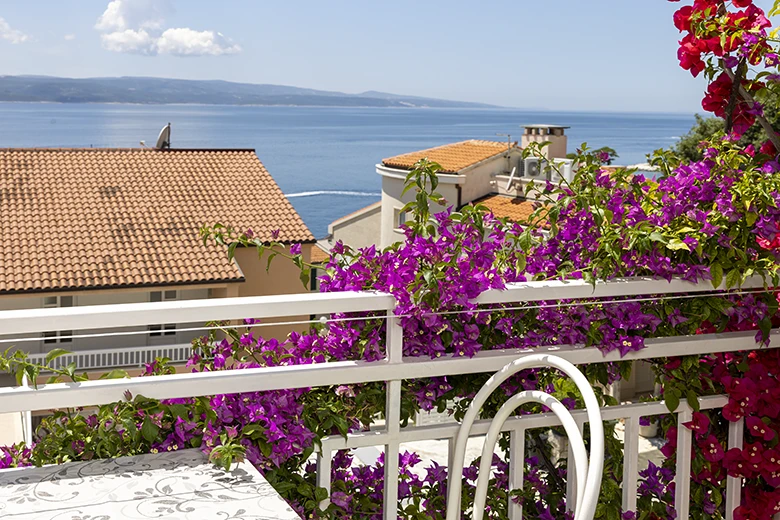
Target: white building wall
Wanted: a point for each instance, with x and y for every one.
(358, 231)
(474, 182)
(393, 201)
(479, 178)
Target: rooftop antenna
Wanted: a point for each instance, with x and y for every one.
(508, 141)
(164, 140)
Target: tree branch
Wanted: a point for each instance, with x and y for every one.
(736, 81)
(766, 125)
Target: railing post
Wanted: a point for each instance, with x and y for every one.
(630, 462)
(734, 484)
(682, 477)
(516, 468)
(324, 466)
(393, 418)
(571, 482)
(27, 418)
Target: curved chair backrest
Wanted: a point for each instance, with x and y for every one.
(588, 472)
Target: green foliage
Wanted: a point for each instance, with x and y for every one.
(689, 147)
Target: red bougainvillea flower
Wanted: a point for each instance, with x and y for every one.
(670, 447)
(682, 18)
(768, 148)
(743, 398)
(711, 449)
(754, 455)
(689, 54)
(699, 423)
(758, 429)
(736, 465)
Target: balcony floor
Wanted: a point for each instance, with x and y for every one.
(180, 485)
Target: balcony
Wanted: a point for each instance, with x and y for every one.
(389, 435)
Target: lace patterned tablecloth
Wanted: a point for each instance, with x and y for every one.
(180, 485)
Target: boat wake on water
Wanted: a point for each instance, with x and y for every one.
(326, 192)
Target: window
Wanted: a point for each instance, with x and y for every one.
(62, 336)
(167, 329)
(400, 218)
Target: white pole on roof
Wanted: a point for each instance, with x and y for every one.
(511, 178)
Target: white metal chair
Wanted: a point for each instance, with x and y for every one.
(588, 472)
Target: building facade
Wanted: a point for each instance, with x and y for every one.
(108, 226)
(471, 171)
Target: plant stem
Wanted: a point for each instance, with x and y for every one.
(766, 125)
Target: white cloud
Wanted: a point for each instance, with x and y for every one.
(134, 42)
(10, 34)
(70, 37)
(134, 14)
(187, 42)
(137, 27)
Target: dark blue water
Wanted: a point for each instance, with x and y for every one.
(311, 150)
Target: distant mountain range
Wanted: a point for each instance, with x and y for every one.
(213, 92)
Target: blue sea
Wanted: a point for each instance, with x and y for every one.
(323, 158)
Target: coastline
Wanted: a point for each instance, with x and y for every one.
(540, 110)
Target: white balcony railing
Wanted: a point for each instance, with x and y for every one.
(125, 357)
(393, 369)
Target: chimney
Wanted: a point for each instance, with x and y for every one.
(553, 134)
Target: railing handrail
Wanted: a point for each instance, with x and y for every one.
(89, 393)
(579, 289)
(25, 321)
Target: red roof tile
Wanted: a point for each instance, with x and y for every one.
(451, 157)
(98, 218)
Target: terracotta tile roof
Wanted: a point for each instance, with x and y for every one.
(100, 218)
(319, 255)
(516, 209)
(452, 157)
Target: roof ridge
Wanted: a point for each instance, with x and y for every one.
(119, 149)
(445, 146)
(453, 157)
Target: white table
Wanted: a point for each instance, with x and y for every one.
(180, 485)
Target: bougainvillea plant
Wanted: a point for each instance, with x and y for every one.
(713, 221)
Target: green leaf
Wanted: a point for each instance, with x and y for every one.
(320, 494)
(117, 373)
(265, 448)
(693, 400)
(252, 428)
(71, 370)
(149, 430)
(716, 270)
(672, 400)
(270, 259)
(305, 277)
(55, 353)
(232, 250)
(733, 278)
(765, 325)
(179, 410)
(655, 236)
(676, 244)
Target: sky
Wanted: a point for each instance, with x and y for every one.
(596, 55)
